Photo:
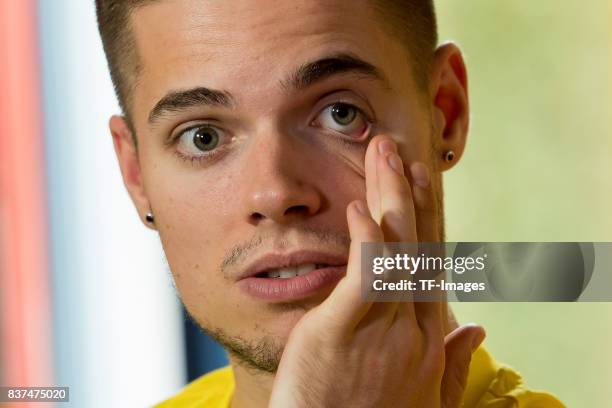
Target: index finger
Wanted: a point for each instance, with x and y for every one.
(345, 307)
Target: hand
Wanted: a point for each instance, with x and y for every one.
(350, 353)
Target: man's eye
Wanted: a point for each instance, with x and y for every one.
(343, 118)
(199, 139)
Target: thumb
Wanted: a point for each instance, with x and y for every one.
(459, 346)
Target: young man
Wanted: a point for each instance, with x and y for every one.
(265, 140)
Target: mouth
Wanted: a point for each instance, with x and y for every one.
(291, 271)
(293, 276)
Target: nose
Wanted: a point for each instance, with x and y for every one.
(281, 182)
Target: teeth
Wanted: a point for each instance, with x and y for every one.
(282, 273)
(285, 273)
(304, 269)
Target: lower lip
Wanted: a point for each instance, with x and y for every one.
(299, 287)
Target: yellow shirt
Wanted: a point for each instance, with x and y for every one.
(490, 385)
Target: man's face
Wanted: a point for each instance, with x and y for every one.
(265, 159)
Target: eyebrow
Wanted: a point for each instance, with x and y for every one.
(343, 63)
(175, 101)
(305, 76)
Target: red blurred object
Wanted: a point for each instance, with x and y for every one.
(25, 303)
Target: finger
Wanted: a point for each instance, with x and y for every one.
(396, 203)
(431, 315)
(429, 318)
(372, 193)
(425, 203)
(345, 307)
(460, 344)
(397, 217)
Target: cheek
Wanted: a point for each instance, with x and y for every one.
(340, 175)
(340, 165)
(189, 220)
(347, 177)
(412, 131)
(190, 230)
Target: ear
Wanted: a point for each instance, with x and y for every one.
(127, 154)
(451, 112)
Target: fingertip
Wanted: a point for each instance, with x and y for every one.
(478, 336)
(383, 144)
(386, 146)
(420, 174)
(356, 212)
(361, 207)
(395, 162)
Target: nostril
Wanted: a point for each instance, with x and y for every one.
(257, 217)
(297, 210)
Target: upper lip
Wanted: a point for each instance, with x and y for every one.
(292, 259)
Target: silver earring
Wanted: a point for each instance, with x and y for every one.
(149, 217)
(449, 156)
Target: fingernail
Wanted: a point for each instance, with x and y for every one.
(420, 174)
(386, 146)
(396, 163)
(361, 207)
(478, 339)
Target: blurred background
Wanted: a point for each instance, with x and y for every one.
(537, 168)
(85, 307)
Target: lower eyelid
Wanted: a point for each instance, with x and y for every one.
(363, 136)
(200, 159)
(366, 135)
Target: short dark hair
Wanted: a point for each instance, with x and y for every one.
(413, 21)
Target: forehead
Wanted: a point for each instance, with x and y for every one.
(244, 45)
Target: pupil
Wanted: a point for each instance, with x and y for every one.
(206, 139)
(343, 114)
(342, 111)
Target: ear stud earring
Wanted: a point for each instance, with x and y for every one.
(149, 217)
(449, 156)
